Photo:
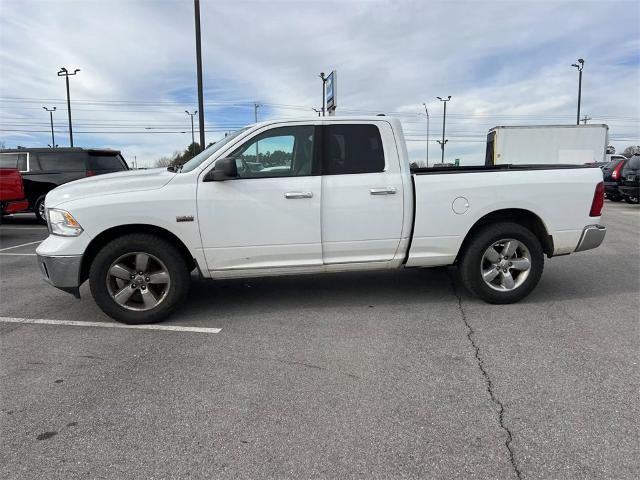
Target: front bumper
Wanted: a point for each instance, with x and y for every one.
(62, 272)
(592, 236)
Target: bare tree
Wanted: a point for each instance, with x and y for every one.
(167, 160)
(631, 150)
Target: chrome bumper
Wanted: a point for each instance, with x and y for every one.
(62, 272)
(592, 237)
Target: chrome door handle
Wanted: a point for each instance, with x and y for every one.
(293, 195)
(383, 191)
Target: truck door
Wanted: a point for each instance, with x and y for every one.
(269, 216)
(362, 196)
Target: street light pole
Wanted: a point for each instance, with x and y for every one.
(53, 138)
(427, 112)
(444, 120)
(196, 4)
(579, 66)
(255, 117)
(66, 74)
(324, 82)
(193, 138)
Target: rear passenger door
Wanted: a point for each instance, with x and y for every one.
(362, 193)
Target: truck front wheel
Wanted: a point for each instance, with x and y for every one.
(139, 278)
(502, 263)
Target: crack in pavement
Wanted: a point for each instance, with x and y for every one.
(485, 374)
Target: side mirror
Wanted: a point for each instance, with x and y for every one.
(225, 169)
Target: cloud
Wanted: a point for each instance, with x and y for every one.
(503, 63)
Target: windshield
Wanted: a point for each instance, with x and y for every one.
(207, 152)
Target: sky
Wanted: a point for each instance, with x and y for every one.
(503, 63)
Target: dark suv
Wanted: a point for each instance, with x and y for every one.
(629, 186)
(612, 173)
(43, 169)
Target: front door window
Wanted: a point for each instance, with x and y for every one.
(279, 152)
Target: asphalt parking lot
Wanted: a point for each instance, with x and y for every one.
(384, 375)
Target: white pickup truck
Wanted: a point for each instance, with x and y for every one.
(308, 196)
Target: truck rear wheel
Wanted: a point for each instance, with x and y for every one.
(139, 278)
(502, 263)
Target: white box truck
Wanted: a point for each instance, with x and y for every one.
(547, 144)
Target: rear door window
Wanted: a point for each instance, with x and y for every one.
(106, 162)
(352, 149)
(62, 161)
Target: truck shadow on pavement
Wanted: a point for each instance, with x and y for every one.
(343, 290)
(393, 289)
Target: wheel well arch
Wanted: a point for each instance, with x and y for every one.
(523, 217)
(112, 233)
(34, 192)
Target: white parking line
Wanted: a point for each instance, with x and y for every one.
(18, 246)
(71, 323)
(19, 254)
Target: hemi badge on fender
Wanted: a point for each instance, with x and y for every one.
(184, 218)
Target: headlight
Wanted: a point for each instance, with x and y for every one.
(62, 223)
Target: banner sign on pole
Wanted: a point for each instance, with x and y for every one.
(331, 95)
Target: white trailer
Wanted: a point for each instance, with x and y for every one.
(547, 144)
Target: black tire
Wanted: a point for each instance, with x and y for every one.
(39, 211)
(632, 199)
(617, 198)
(471, 262)
(167, 253)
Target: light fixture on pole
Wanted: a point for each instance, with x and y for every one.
(66, 74)
(53, 138)
(444, 120)
(427, 112)
(193, 138)
(579, 66)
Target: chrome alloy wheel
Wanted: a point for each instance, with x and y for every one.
(138, 281)
(505, 265)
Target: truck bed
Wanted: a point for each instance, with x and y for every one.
(450, 200)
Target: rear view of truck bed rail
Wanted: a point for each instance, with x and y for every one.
(492, 168)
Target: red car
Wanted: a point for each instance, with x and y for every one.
(11, 192)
